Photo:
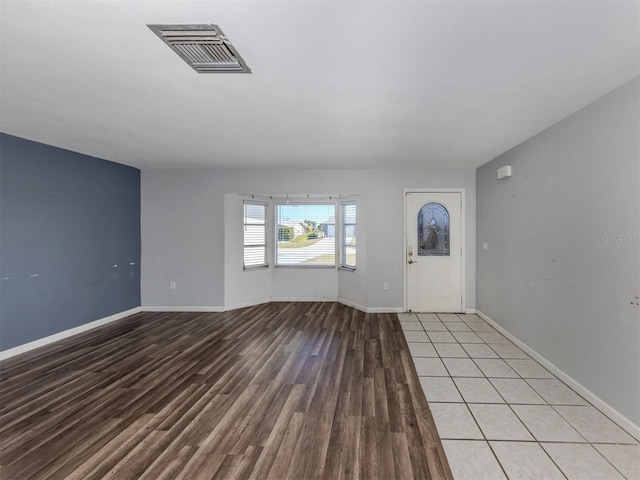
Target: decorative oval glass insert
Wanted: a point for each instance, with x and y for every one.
(433, 230)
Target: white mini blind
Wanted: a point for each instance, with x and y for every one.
(348, 236)
(306, 235)
(255, 235)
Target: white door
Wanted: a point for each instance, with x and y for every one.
(434, 251)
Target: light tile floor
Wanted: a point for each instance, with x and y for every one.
(502, 415)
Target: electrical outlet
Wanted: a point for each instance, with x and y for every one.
(173, 285)
(385, 285)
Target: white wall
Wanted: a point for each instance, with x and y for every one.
(249, 287)
(241, 288)
(353, 285)
(562, 270)
(182, 229)
(185, 240)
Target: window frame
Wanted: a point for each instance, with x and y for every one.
(343, 235)
(423, 225)
(265, 205)
(276, 205)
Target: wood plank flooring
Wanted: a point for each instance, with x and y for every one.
(281, 390)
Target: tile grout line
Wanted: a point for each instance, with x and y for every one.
(486, 440)
(509, 406)
(547, 403)
(484, 436)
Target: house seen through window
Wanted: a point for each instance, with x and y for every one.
(306, 234)
(300, 234)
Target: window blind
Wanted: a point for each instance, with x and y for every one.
(305, 234)
(255, 235)
(348, 236)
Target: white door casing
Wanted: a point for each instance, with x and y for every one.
(434, 251)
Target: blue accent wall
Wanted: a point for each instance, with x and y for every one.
(69, 240)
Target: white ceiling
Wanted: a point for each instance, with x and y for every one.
(346, 84)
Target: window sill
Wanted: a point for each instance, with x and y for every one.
(325, 267)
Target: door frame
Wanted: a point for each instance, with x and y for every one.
(463, 240)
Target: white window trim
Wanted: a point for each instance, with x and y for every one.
(343, 265)
(301, 201)
(271, 202)
(266, 235)
(463, 246)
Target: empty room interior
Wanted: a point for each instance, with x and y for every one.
(320, 239)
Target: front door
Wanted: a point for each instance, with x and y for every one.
(434, 251)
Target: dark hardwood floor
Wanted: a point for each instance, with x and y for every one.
(281, 390)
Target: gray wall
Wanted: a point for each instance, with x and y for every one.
(183, 221)
(67, 220)
(563, 264)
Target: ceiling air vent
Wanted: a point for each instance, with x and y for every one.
(204, 47)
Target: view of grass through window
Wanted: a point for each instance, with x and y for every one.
(306, 234)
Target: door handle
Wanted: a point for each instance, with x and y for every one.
(412, 261)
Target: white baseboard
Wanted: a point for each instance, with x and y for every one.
(162, 308)
(344, 301)
(251, 303)
(12, 352)
(41, 342)
(340, 300)
(234, 306)
(587, 394)
(470, 311)
(351, 304)
(304, 299)
(385, 310)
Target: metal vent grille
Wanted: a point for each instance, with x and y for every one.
(204, 47)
